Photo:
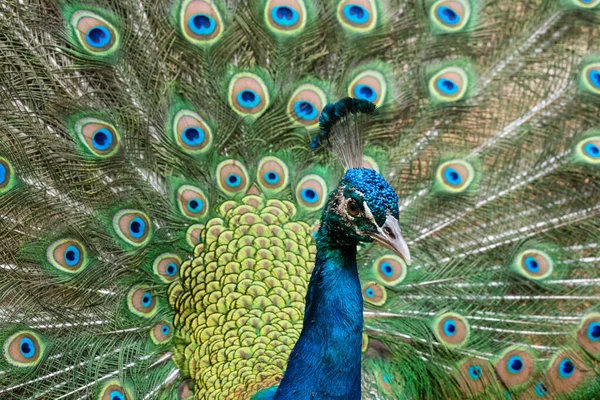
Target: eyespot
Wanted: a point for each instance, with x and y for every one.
(451, 330)
(448, 85)
(272, 175)
(193, 234)
(305, 104)
(67, 255)
(515, 364)
(450, 15)
(286, 17)
(200, 22)
(142, 302)
(541, 390)
(566, 371)
(113, 390)
(454, 176)
(385, 381)
(369, 85)
(191, 133)
(357, 15)
(590, 78)
(192, 202)
(166, 267)
(475, 375)
(390, 269)
(24, 349)
(588, 150)
(232, 177)
(248, 95)
(585, 3)
(588, 334)
(475, 372)
(99, 137)
(534, 264)
(161, 333)
(374, 293)
(94, 33)
(515, 367)
(133, 227)
(6, 175)
(311, 192)
(370, 163)
(566, 368)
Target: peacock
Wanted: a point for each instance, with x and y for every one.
(299, 199)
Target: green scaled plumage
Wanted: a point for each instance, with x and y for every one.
(159, 200)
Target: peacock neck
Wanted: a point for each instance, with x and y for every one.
(326, 361)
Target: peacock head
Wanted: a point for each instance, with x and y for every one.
(364, 208)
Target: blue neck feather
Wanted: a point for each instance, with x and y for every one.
(326, 361)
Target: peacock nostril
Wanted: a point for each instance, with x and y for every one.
(388, 231)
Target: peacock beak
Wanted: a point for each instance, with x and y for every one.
(390, 237)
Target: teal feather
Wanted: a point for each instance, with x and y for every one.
(122, 123)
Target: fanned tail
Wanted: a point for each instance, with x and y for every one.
(156, 180)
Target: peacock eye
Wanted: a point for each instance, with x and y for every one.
(353, 208)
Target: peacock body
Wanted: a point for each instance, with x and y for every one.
(172, 225)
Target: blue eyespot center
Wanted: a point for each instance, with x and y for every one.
(595, 78)
(2, 173)
(356, 14)
(370, 292)
(147, 299)
(309, 195)
(452, 176)
(248, 98)
(165, 329)
(72, 256)
(448, 15)
(102, 139)
(137, 227)
(446, 86)
(193, 136)
(195, 205)
(171, 269)
(115, 395)
(285, 16)
(305, 110)
(450, 328)
(475, 372)
(27, 347)
(272, 177)
(532, 264)
(98, 36)
(594, 331)
(386, 379)
(202, 24)
(365, 92)
(592, 150)
(387, 269)
(566, 368)
(540, 389)
(234, 180)
(515, 364)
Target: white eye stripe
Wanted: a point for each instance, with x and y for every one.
(369, 214)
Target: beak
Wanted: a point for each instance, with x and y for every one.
(390, 237)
